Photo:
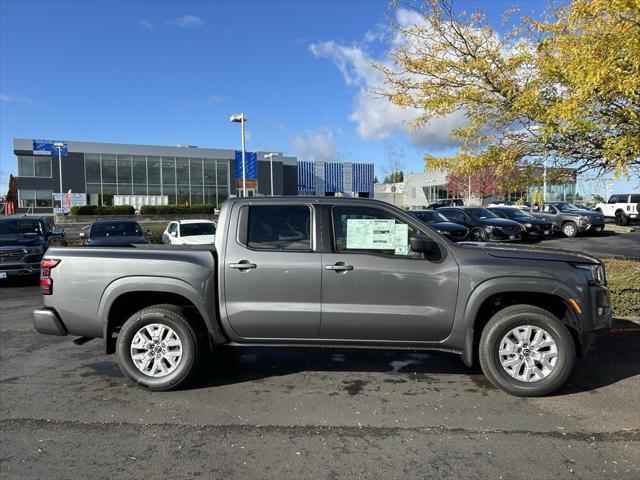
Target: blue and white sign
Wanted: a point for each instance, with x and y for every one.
(47, 147)
(251, 165)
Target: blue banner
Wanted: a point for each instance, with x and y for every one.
(251, 165)
(46, 147)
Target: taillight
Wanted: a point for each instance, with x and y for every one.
(45, 271)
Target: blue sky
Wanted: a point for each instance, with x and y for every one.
(171, 73)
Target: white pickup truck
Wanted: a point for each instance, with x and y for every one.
(623, 207)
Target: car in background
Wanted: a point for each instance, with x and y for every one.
(569, 219)
(114, 233)
(190, 232)
(526, 206)
(23, 242)
(584, 207)
(484, 225)
(623, 207)
(448, 202)
(534, 227)
(436, 221)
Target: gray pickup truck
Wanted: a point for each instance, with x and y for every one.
(329, 272)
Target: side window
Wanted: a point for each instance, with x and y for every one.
(549, 209)
(454, 215)
(613, 199)
(172, 228)
(634, 199)
(279, 228)
(371, 230)
(499, 213)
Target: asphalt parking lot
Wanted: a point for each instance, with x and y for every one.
(67, 412)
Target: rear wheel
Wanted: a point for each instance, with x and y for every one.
(158, 348)
(479, 235)
(570, 229)
(526, 351)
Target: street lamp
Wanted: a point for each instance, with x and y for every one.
(60, 146)
(241, 118)
(270, 157)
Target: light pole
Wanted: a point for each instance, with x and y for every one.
(270, 157)
(59, 146)
(241, 118)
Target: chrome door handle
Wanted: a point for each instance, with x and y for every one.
(243, 265)
(339, 267)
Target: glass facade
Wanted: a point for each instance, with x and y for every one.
(34, 166)
(184, 180)
(435, 193)
(35, 198)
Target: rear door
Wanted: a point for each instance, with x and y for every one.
(273, 273)
(375, 288)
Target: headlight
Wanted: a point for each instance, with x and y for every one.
(34, 250)
(528, 225)
(488, 228)
(441, 231)
(597, 273)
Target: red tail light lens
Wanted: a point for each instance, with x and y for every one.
(45, 271)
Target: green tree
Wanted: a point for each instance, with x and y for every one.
(564, 90)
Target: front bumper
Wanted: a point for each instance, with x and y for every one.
(19, 269)
(47, 321)
(601, 317)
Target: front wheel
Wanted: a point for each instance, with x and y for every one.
(526, 351)
(158, 348)
(570, 229)
(479, 235)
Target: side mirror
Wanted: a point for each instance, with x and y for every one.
(426, 245)
(173, 234)
(82, 234)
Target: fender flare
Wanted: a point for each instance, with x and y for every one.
(176, 286)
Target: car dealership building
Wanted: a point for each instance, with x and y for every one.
(96, 172)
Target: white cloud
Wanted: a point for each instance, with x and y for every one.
(5, 97)
(375, 116)
(146, 24)
(315, 145)
(187, 21)
(216, 99)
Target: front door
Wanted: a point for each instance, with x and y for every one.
(375, 288)
(550, 213)
(273, 273)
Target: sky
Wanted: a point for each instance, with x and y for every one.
(171, 73)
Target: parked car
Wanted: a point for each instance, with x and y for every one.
(436, 221)
(483, 224)
(536, 227)
(448, 202)
(323, 272)
(623, 207)
(23, 241)
(114, 233)
(569, 219)
(190, 232)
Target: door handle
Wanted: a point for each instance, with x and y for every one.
(243, 265)
(339, 267)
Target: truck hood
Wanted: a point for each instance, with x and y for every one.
(21, 240)
(533, 253)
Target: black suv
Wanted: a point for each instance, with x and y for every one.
(569, 219)
(436, 221)
(483, 224)
(23, 241)
(535, 227)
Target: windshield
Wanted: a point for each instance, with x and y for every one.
(430, 216)
(20, 227)
(191, 229)
(480, 213)
(119, 229)
(515, 213)
(567, 207)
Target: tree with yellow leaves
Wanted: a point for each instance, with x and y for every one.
(564, 89)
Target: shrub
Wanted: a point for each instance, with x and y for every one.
(176, 209)
(84, 210)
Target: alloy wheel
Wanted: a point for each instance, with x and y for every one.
(528, 353)
(156, 350)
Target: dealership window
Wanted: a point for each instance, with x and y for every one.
(109, 169)
(92, 168)
(34, 166)
(35, 198)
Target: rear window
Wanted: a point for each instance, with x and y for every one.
(192, 229)
(122, 229)
(20, 227)
(279, 228)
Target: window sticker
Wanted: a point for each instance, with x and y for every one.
(401, 239)
(371, 234)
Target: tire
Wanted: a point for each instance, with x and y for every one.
(569, 229)
(478, 235)
(621, 218)
(499, 329)
(192, 347)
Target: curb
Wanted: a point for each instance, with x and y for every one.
(628, 319)
(618, 228)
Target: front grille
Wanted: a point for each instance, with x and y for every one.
(510, 230)
(12, 254)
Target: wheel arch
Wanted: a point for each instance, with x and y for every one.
(125, 296)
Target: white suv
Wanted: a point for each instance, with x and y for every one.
(623, 207)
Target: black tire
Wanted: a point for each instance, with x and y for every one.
(193, 346)
(621, 218)
(506, 320)
(478, 235)
(569, 229)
